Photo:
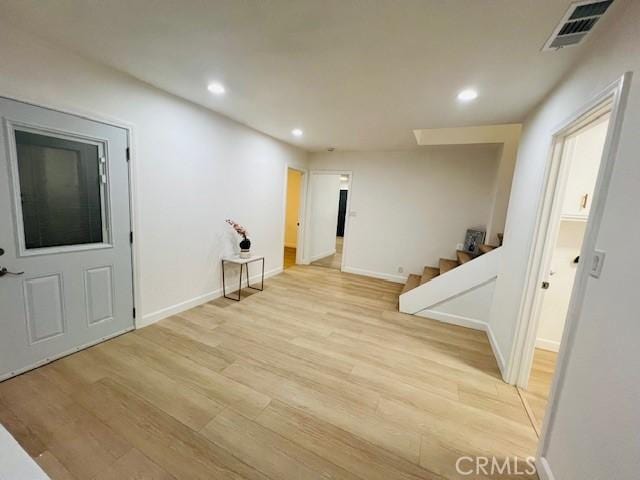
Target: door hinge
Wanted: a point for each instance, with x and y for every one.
(134, 312)
(128, 154)
(131, 237)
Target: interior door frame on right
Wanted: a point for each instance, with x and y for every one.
(613, 99)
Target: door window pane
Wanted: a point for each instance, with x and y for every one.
(60, 191)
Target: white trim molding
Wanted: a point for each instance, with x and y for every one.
(453, 319)
(328, 253)
(381, 275)
(166, 312)
(496, 351)
(550, 345)
(467, 322)
(544, 469)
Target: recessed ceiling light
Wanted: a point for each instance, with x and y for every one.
(216, 88)
(296, 132)
(467, 95)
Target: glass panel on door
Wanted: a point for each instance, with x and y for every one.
(61, 190)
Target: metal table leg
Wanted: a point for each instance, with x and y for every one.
(224, 291)
(262, 281)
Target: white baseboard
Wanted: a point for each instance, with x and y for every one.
(496, 352)
(166, 312)
(454, 319)
(544, 469)
(380, 275)
(322, 255)
(468, 323)
(550, 345)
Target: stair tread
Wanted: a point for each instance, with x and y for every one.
(447, 264)
(463, 257)
(412, 282)
(429, 273)
(484, 248)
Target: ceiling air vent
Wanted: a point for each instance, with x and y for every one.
(576, 24)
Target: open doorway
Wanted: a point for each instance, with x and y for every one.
(328, 218)
(578, 158)
(293, 210)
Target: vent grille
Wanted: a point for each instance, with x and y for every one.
(591, 10)
(576, 23)
(577, 27)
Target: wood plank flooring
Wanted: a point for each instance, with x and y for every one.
(536, 395)
(318, 376)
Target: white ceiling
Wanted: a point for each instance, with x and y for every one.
(354, 74)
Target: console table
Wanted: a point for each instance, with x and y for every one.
(244, 264)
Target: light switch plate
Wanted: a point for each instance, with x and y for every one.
(597, 263)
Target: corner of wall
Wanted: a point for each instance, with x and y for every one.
(497, 352)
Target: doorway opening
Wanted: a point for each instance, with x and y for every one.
(293, 210)
(580, 162)
(328, 218)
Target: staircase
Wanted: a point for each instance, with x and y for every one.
(445, 265)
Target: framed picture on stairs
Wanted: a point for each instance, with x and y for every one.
(473, 239)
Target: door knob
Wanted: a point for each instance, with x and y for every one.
(4, 271)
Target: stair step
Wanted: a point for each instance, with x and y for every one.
(447, 264)
(429, 273)
(412, 282)
(484, 248)
(463, 257)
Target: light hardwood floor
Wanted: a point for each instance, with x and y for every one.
(318, 376)
(536, 395)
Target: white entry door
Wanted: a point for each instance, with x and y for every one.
(64, 235)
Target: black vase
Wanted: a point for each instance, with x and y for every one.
(245, 246)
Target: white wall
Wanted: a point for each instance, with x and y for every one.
(594, 431)
(194, 168)
(507, 137)
(585, 158)
(412, 207)
(323, 215)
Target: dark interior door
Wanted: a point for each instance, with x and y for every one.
(342, 212)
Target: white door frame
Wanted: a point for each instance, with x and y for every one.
(301, 210)
(346, 219)
(521, 357)
(132, 169)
